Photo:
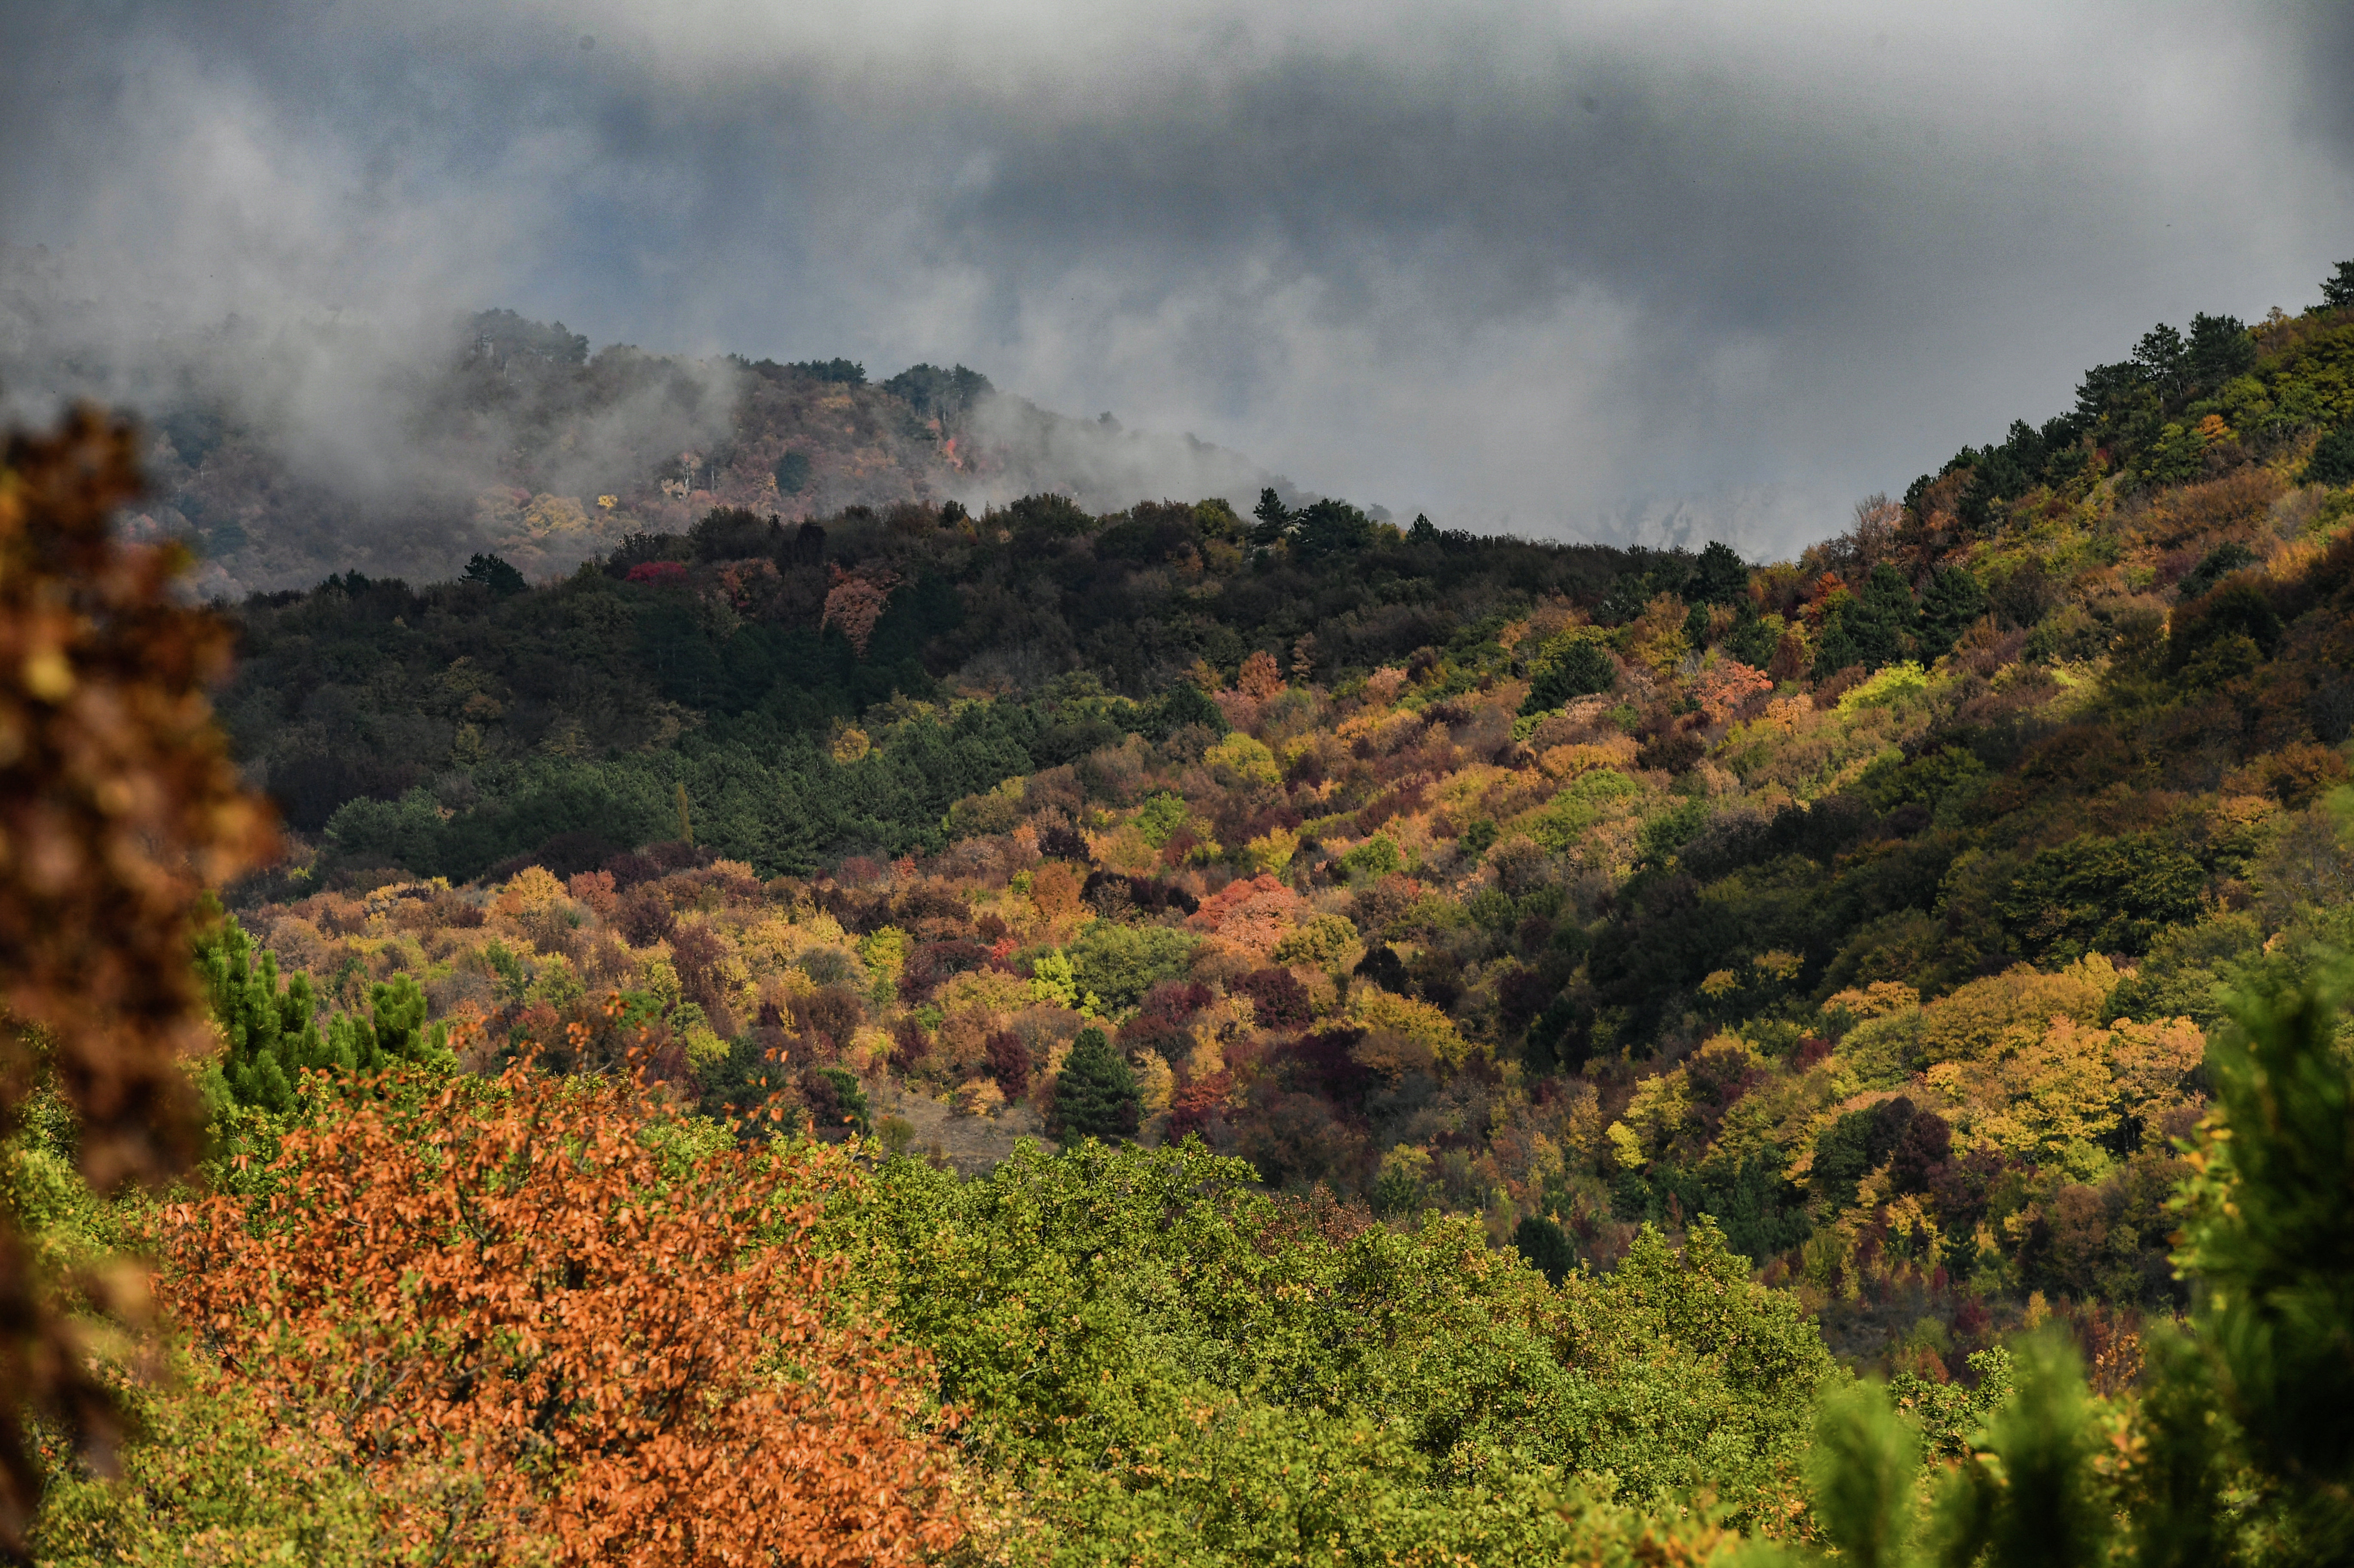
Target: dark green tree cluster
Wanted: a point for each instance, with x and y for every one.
(1095, 1093)
(937, 393)
(1886, 622)
(1572, 667)
(1870, 628)
(2142, 413)
(493, 573)
(446, 729)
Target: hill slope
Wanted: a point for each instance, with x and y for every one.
(1873, 903)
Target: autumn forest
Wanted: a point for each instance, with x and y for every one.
(769, 1016)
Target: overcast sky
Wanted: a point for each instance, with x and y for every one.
(1512, 264)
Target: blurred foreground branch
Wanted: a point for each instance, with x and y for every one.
(118, 803)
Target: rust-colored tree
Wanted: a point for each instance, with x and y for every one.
(117, 803)
(855, 603)
(549, 1340)
(1261, 676)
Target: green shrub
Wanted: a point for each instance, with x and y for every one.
(1577, 663)
(1118, 964)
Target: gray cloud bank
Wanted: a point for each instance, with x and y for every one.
(1632, 269)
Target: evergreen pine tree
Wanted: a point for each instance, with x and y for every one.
(2271, 1243)
(1837, 649)
(1951, 604)
(1751, 641)
(394, 1032)
(2333, 461)
(269, 1035)
(1544, 1246)
(1274, 521)
(1882, 619)
(1872, 629)
(2338, 289)
(1574, 667)
(1095, 1093)
(494, 573)
(1718, 576)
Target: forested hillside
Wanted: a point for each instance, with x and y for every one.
(1873, 903)
(1290, 1038)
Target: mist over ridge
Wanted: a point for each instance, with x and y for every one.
(286, 451)
(1573, 275)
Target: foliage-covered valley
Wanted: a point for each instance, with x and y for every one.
(1045, 1036)
(1875, 904)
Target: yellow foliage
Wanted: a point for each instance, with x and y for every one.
(1625, 1146)
(1271, 852)
(1244, 760)
(1384, 731)
(1660, 1106)
(1657, 636)
(2050, 1092)
(988, 992)
(2067, 1084)
(1880, 998)
(1392, 1056)
(885, 952)
(1408, 1160)
(1569, 761)
(1321, 941)
(1894, 684)
(2149, 1061)
(1205, 1055)
(533, 887)
(1418, 1021)
(1583, 1123)
(768, 945)
(556, 514)
(868, 1047)
(1125, 850)
(1156, 1086)
(658, 977)
(558, 984)
(1978, 1017)
(703, 1048)
(980, 1096)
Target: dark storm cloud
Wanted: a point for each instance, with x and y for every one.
(1724, 267)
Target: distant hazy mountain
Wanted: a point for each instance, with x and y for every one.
(288, 451)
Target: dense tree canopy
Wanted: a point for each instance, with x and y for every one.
(1524, 1025)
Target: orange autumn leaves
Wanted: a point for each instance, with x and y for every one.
(549, 1339)
(542, 1338)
